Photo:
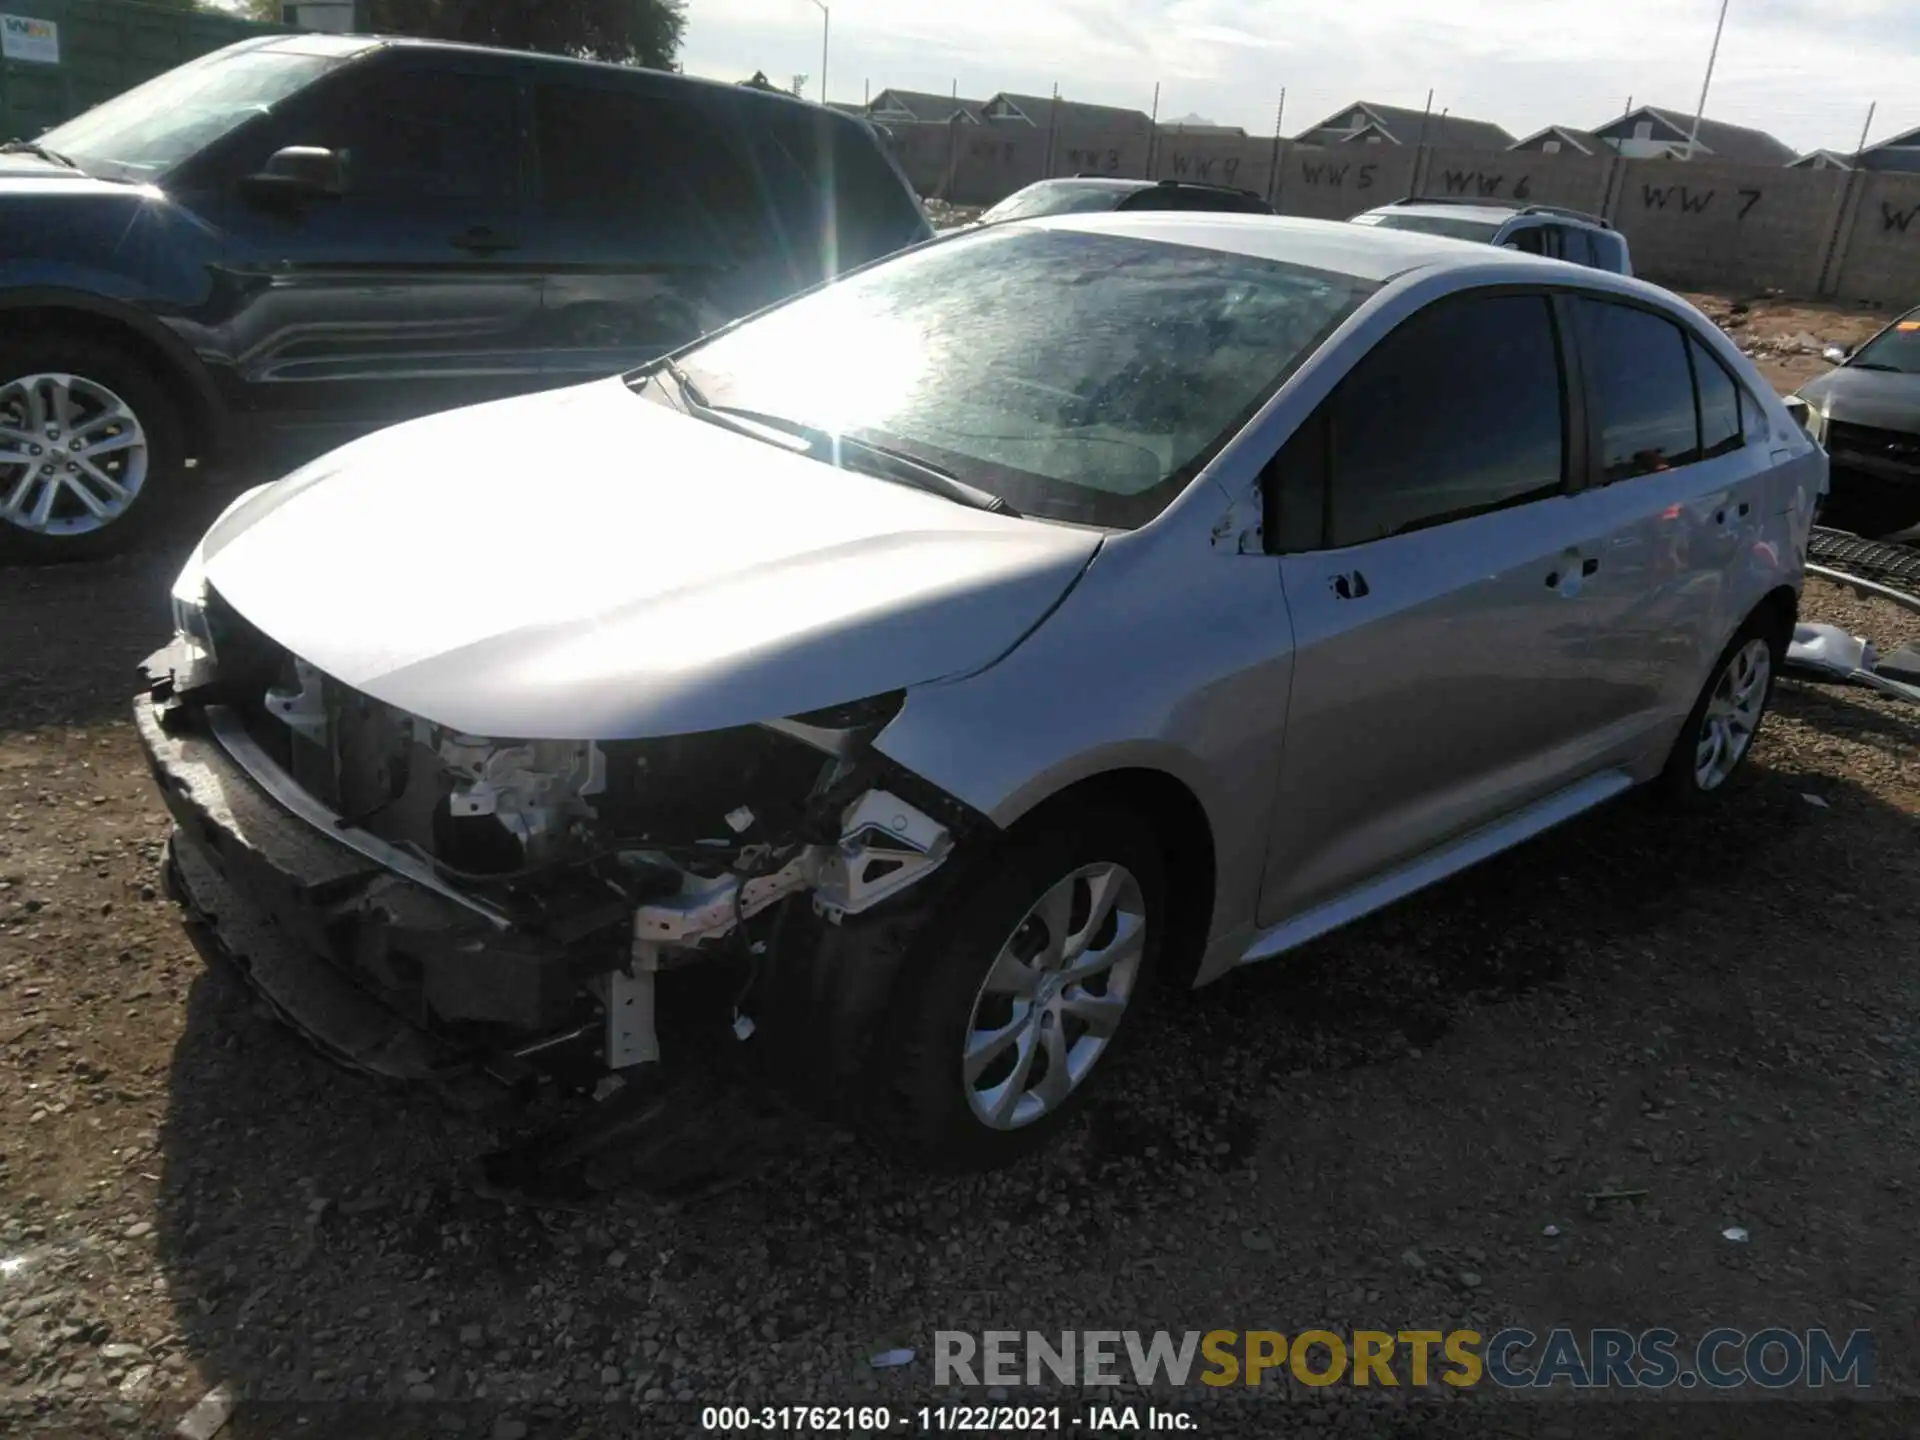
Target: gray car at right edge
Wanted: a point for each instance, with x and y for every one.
(961, 646)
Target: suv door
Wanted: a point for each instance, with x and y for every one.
(1435, 558)
(653, 223)
(1684, 488)
(404, 294)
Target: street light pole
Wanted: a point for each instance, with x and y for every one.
(826, 20)
(1693, 138)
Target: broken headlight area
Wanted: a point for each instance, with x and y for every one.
(618, 860)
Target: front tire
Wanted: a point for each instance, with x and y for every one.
(1019, 990)
(1714, 743)
(89, 437)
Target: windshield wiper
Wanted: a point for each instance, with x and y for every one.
(823, 444)
(34, 147)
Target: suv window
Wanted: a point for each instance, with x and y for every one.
(1459, 411)
(1577, 245)
(612, 154)
(1642, 383)
(410, 134)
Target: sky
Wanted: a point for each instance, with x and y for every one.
(1804, 70)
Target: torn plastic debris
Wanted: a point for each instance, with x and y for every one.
(1828, 654)
(1736, 1233)
(891, 1359)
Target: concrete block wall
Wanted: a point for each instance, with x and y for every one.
(1878, 254)
(1703, 223)
(1712, 225)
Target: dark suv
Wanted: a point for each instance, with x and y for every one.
(299, 238)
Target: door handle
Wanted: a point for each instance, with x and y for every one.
(1350, 586)
(482, 241)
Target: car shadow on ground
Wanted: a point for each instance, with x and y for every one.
(292, 1190)
(75, 632)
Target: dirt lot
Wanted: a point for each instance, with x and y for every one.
(1715, 1019)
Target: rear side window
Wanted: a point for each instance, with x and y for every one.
(1720, 430)
(1640, 379)
(1459, 411)
(615, 155)
(1579, 246)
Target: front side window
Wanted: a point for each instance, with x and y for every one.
(1642, 383)
(1082, 377)
(142, 134)
(1459, 411)
(406, 134)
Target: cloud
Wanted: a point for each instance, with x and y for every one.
(1804, 69)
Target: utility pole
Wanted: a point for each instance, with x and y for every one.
(826, 19)
(1153, 131)
(1693, 138)
(1863, 132)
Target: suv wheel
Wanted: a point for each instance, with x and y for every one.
(1018, 994)
(88, 436)
(1719, 733)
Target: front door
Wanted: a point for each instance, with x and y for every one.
(1441, 603)
(409, 292)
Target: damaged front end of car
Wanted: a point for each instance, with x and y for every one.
(426, 904)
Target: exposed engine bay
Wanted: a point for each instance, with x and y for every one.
(626, 859)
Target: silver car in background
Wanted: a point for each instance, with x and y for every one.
(897, 684)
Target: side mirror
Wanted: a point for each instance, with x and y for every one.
(1837, 354)
(295, 174)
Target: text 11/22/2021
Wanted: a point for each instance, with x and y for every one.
(941, 1419)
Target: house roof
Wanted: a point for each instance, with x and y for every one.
(1813, 158)
(1906, 140)
(1038, 110)
(1585, 141)
(1406, 126)
(1186, 127)
(925, 106)
(1727, 142)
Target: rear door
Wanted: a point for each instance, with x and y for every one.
(408, 292)
(654, 225)
(1438, 568)
(1671, 457)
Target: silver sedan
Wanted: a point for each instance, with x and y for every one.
(893, 687)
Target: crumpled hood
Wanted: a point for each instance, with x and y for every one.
(1879, 398)
(587, 564)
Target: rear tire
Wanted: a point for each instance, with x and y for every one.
(1019, 991)
(1714, 744)
(91, 443)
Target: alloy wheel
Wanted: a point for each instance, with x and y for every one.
(73, 455)
(1055, 996)
(1732, 714)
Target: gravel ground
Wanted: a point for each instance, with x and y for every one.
(1712, 1014)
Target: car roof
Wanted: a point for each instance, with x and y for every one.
(1491, 214)
(1114, 183)
(1366, 252)
(316, 42)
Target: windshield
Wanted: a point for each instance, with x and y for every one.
(1051, 197)
(1896, 348)
(1451, 225)
(1081, 377)
(153, 127)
